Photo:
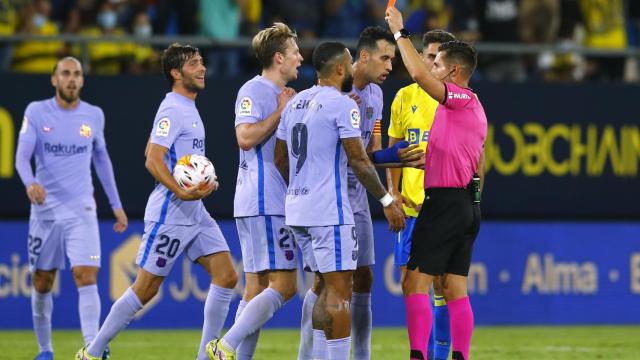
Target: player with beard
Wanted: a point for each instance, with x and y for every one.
(268, 250)
(65, 134)
(318, 135)
(176, 220)
(376, 51)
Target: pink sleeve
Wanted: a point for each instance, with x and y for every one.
(457, 97)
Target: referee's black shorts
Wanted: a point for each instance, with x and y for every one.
(444, 232)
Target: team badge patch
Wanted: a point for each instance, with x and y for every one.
(244, 109)
(163, 127)
(368, 112)
(355, 118)
(85, 131)
(25, 125)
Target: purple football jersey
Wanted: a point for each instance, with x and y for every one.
(177, 127)
(370, 112)
(260, 189)
(313, 125)
(64, 142)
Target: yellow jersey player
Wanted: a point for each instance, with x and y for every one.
(412, 113)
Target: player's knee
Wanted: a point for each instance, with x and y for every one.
(438, 287)
(43, 283)
(226, 278)
(363, 279)
(287, 290)
(85, 278)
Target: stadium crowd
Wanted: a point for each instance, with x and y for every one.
(597, 24)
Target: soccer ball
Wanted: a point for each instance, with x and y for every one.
(194, 170)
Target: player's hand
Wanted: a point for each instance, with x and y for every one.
(36, 193)
(195, 192)
(122, 222)
(412, 156)
(355, 97)
(395, 216)
(393, 17)
(285, 95)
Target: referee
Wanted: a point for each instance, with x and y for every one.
(449, 220)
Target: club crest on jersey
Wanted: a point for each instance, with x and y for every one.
(414, 108)
(368, 111)
(245, 107)
(163, 127)
(355, 118)
(85, 131)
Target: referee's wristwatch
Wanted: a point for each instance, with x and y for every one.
(402, 33)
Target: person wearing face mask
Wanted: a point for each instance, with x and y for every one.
(145, 57)
(107, 58)
(37, 57)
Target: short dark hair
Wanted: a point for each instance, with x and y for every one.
(324, 56)
(175, 56)
(437, 36)
(270, 41)
(370, 36)
(460, 52)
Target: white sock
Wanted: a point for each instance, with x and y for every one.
(257, 312)
(89, 309)
(339, 349)
(216, 308)
(361, 325)
(305, 351)
(320, 351)
(41, 309)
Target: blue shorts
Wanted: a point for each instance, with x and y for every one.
(162, 244)
(266, 244)
(49, 240)
(403, 245)
(327, 248)
(364, 234)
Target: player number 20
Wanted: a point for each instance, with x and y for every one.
(173, 245)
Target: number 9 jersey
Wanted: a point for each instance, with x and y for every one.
(313, 124)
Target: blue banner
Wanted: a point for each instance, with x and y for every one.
(522, 273)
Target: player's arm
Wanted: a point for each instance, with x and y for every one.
(368, 176)
(155, 164)
(394, 174)
(416, 67)
(281, 159)
(252, 134)
(26, 147)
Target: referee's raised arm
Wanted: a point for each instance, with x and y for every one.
(412, 61)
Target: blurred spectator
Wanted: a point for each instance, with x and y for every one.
(179, 16)
(498, 20)
(425, 15)
(605, 28)
(37, 56)
(105, 57)
(220, 20)
(145, 58)
(347, 18)
(251, 11)
(463, 19)
(8, 25)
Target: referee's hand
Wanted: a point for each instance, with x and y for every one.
(395, 215)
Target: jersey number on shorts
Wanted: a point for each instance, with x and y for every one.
(299, 135)
(285, 234)
(165, 241)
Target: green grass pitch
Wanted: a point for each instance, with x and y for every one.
(578, 342)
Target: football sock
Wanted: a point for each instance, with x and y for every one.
(361, 325)
(319, 345)
(419, 322)
(461, 320)
(338, 349)
(306, 330)
(216, 307)
(122, 312)
(41, 309)
(247, 347)
(89, 309)
(441, 329)
(257, 312)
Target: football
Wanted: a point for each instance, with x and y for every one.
(194, 170)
